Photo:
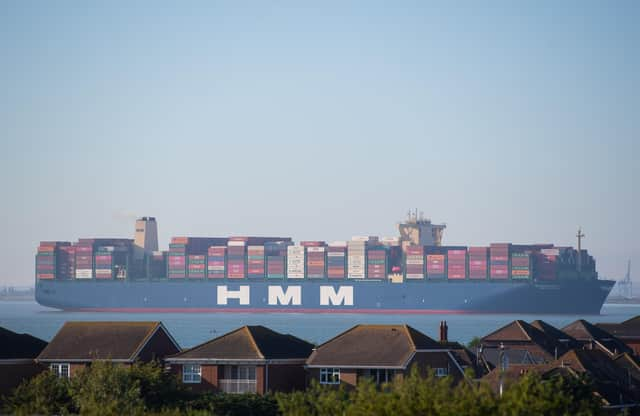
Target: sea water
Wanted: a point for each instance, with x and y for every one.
(190, 329)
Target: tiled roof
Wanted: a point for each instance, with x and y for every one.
(627, 329)
(372, 346)
(16, 346)
(86, 341)
(248, 343)
(552, 331)
(583, 331)
(521, 332)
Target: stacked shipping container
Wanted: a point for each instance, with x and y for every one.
(436, 260)
(356, 258)
(157, 265)
(236, 256)
(546, 264)
(337, 260)
(414, 262)
(177, 258)
(520, 265)
(255, 262)
(478, 263)
(216, 261)
(84, 261)
(377, 262)
(315, 263)
(499, 261)
(456, 264)
(276, 257)
(196, 266)
(66, 262)
(46, 260)
(103, 261)
(295, 262)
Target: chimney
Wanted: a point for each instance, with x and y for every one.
(444, 329)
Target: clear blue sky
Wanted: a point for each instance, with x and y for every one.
(509, 121)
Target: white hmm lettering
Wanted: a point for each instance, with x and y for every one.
(241, 294)
(292, 296)
(344, 296)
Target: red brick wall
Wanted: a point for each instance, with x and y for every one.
(209, 378)
(286, 378)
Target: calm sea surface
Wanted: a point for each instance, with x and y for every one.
(190, 329)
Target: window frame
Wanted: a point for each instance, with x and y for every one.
(330, 376)
(441, 371)
(58, 369)
(192, 376)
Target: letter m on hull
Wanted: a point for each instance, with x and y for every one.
(291, 296)
(344, 296)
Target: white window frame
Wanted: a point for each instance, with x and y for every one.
(442, 372)
(329, 376)
(61, 370)
(191, 373)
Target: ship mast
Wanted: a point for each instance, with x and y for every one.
(580, 236)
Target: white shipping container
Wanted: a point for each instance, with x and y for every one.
(415, 276)
(315, 249)
(84, 273)
(237, 243)
(338, 244)
(356, 275)
(295, 250)
(295, 275)
(550, 251)
(334, 254)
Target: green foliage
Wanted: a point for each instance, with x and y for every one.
(474, 343)
(44, 394)
(416, 394)
(105, 388)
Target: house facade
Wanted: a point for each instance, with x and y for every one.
(381, 353)
(78, 344)
(251, 359)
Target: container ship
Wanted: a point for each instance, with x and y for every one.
(410, 273)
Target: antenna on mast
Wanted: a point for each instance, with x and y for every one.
(580, 236)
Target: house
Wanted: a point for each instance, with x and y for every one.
(17, 354)
(380, 353)
(627, 332)
(562, 338)
(610, 382)
(590, 336)
(522, 343)
(78, 344)
(251, 359)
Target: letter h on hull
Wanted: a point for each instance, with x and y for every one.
(242, 294)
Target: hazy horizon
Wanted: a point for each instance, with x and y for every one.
(508, 121)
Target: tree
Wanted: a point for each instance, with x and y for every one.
(105, 388)
(44, 394)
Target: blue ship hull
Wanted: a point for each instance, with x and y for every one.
(347, 296)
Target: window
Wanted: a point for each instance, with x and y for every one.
(329, 376)
(60, 370)
(240, 372)
(239, 379)
(378, 375)
(442, 372)
(191, 373)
